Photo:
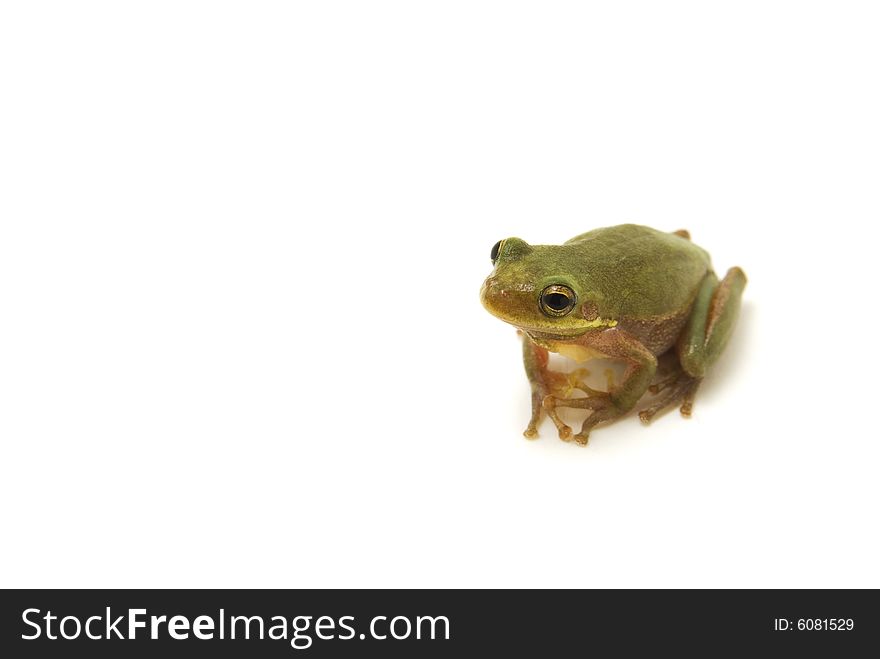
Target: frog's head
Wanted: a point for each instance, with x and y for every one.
(537, 289)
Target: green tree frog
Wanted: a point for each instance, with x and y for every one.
(628, 293)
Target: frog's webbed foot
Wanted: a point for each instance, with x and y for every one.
(553, 384)
(597, 401)
(672, 389)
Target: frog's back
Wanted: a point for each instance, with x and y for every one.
(640, 272)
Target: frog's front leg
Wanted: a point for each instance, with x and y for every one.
(605, 406)
(545, 382)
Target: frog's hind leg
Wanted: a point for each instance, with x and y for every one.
(704, 338)
(711, 322)
(709, 328)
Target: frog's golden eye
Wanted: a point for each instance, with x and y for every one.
(496, 249)
(557, 300)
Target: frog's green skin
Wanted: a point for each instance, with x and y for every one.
(638, 295)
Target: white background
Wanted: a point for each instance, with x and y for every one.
(240, 251)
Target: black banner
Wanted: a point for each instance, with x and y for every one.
(319, 623)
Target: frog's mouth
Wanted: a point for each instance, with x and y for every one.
(548, 336)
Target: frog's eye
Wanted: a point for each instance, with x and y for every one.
(557, 300)
(496, 248)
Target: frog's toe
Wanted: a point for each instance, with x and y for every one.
(550, 403)
(647, 414)
(530, 433)
(582, 439)
(687, 404)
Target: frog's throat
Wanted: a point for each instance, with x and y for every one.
(567, 346)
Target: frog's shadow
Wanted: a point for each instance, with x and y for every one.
(720, 375)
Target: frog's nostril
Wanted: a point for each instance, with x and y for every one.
(498, 290)
(493, 291)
